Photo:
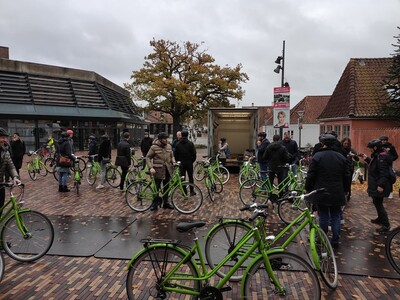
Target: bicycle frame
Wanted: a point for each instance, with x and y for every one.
(203, 275)
(165, 190)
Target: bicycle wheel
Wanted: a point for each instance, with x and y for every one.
(147, 272)
(246, 175)
(50, 164)
(184, 200)
(139, 196)
(218, 185)
(113, 176)
(221, 240)
(2, 265)
(289, 209)
(37, 241)
(324, 257)
(392, 249)
(253, 191)
(42, 169)
(198, 171)
(210, 189)
(91, 174)
(222, 172)
(31, 171)
(81, 164)
(294, 274)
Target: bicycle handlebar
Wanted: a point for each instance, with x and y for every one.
(10, 185)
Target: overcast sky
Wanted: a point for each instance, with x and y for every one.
(112, 38)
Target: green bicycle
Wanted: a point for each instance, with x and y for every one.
(199, 170)
(212, 181)
(35, 165)
(224, 237)
(165, 270)
(26, 235)
(78, 174)
(250, 169)
(140, 194)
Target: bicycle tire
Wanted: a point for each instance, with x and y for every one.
(147, 270)
(113, 176)
(40, 236)
(198, 171)
(139, 196)
(50, 164)
(221, 240)
(210, 189)
(91, 175)
(294, 274)
(247, 174)
(289, 209)
(257, 192)
(76, 186)
(2, 266)
(219, 187)
(31, 171)
(222, 172)
(184, 201)
(392, 249)
(324, 257)
(42, 169)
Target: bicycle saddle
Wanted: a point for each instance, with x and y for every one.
(184, 226)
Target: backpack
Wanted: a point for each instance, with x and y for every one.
(228, 152)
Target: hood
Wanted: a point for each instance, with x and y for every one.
(275, 145)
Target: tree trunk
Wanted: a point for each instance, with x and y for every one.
(176, 125)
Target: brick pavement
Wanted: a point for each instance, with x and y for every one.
(67, 277)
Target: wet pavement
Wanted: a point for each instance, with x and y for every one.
(96, 232)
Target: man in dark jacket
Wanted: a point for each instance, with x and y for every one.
(185, 152)
(262, 144)
(379, 185)
(64, 149)
(292, 148)
(329, 169)
(18, 150)
(277, 156)
(146, 143)
(123, 158)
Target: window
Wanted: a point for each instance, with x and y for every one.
(346, 130)
(338, 131)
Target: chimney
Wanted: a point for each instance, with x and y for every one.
(4, 52)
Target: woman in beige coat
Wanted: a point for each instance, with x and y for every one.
(160, 160)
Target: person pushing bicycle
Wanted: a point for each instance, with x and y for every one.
(6, 164)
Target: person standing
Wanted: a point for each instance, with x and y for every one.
(64, 149)
(123, 158)
(178, 138)
(18, 150)
(104, 158)
(185, 152)
(160, 160)
(222, 148)
(277, 156)
(92, 147)
(391, 151)
(262, 144)
(146, 143)
(71, 140)
(329, 170)
(351, 156)
(6, 165)
(379, 185)
(293, 149)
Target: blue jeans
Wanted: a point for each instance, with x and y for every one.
(330, 215)
(63, 178)
(263, 171)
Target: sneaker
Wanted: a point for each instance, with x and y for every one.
(376, 221)
(342, 221)
(100, 186)
(383, 229)
(391, 195)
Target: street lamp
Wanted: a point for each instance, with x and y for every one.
(280, 60)
(300, 113)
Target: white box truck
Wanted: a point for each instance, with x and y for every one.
(238, 125)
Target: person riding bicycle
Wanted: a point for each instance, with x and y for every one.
(329, 170)
(6, 164)
(160, 160)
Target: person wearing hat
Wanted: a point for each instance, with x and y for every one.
(379, 185)
(160, 160)
(64, 149)
(6, 164)
(104, 157)
(185, 152)
(329, 170)
(92, 147)
(262, 144)
(123, 158)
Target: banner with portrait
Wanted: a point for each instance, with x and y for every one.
(281, 117)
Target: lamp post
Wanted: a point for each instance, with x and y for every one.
(280, 60)
(300, 113)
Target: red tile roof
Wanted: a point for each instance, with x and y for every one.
(312, 106)
(359, 92)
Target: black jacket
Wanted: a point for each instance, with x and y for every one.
(124, 149)
(104, 150)
(260, 151)
(18, 149)
(292, 148)
(185, 151)
(277, 156)
(378, 174)
(145, 145)
(64, 149)
(328, 169)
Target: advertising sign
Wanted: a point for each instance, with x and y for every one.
(282, 107)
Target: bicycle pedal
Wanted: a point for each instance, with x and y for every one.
(226, 289)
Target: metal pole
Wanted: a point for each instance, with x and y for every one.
(283, 65)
